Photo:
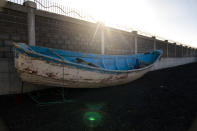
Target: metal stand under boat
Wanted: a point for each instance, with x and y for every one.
(50, 96)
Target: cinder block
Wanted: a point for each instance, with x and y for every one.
(9, 54)
(64, 37)
(15, 85)
(15, 38)
(5, 49)
(4, 36)
(2, 55)
(52, 41)
(24, 38)
(8, 43)
(4, 83)
(70, 47)
(67, 42)
(1, 43)
(12, 69)
(56, 36)
(3, 66)
(4, 75)
(60, 42)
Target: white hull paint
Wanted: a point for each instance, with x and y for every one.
(52, 74)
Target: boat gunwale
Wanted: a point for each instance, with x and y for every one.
(68, 63)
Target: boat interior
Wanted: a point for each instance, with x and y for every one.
(109, 62)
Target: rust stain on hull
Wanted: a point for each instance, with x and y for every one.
(30, 70)
(51, 74)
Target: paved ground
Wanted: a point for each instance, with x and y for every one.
(164, 100)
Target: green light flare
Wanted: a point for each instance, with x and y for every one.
(92, 119)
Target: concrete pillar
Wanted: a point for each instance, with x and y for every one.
(166, 48)
(193, 52)
(135, 40)
(186, 51)
(190, 51)
(154, 43)
(31, 21)
(102, 39)
(193, 49)
(174, 49)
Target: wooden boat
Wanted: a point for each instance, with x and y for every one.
(52, 67)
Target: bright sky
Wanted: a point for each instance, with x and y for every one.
(172, 19)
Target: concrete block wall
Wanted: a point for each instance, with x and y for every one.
(86, 37)
(178, 51)
(184, 51)
(61, 32)
(145, 44)
(66, 35)
(118, 42)
(189, 51)
(12, 29)
(171, 50)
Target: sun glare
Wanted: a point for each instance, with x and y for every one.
(141, 15)
(127, 12)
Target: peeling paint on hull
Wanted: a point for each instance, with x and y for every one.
(53, 74)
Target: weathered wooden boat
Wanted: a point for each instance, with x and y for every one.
(52, 67)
